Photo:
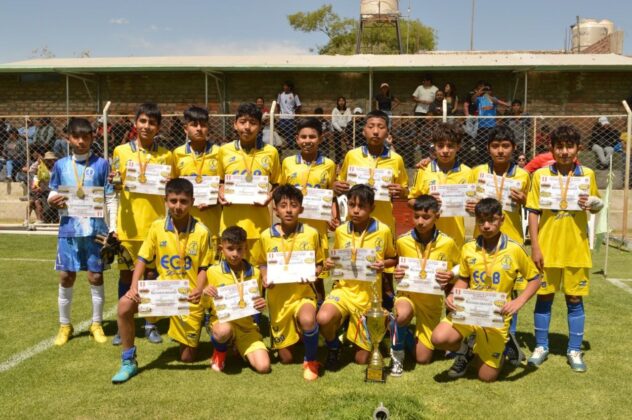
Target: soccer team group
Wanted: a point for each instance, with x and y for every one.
(167, 237)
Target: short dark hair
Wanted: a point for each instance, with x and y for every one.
(376, 113)
(248, 109)
(287, 191)
(196, 114)
(488, 207)
(234, 235)
(566, 133)
(319, 111)
(426, 202)
(516, 102)
(289, 84)
(310, 122)
(79, 127)
(151, 110)
(446, 131)
(427, 76)
(179, 186)
(362, 192)
(501, 132)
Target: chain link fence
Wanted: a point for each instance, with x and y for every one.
(31, 144)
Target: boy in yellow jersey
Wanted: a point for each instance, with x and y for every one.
(179, 244)
(350, 299)
(444, 169)
(377, 155)
(559, 246)
(311, 169)
(292, 306)
(136, 212)
(491, 262)
(248, 156)
(244, 333)
(198, 158)
(426, 243)
(501, 145)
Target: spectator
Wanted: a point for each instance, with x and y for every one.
(424, 96)
(28, 133)
(436, 107)
(340, 119)
(5, 126)
(486, 104)
(120, 132)
(327, 146)
(39, 189)
(44, 135)
(289, 104)
(603, 141)
(449, 91)
(61, 146)
(177, 135)
(386, 102)
(260, 104)
(522, 160)
(355, 129)
(542, 139)
(11, 154)
(405, 139)
(520, 125)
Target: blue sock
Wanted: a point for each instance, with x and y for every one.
(333, 344)
(257, 318)
(149, 324)
(401, 334)
(514, 324)
(219, 346)
(576, 320)
(310, 340)
(388, 301)
(129, 354)
(542, 321)
(122, 288)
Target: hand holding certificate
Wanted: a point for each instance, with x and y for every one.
(346, 268)
(246, 189)
(163, 297)
(478, 307)
(417, 280)
(494, 186)
(454, 197)
(206, 190)
(236, 301)
(317, 204)
(300, 267)
(562, 192)
(378, 179)
(90, 204)
(151, 180)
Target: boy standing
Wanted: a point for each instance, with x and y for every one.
(180, 245)
(559, 247)
(76, 247)
(292, 306)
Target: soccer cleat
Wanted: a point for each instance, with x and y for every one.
(460, 365)
(116, 340)
(218, 360)
(310, 370)
(576, 361)
(333, 360)
(64, 334)
(514, 353)
(96, 332)
(397, 362)
(538, 356)
(128, 369)
(153, 335)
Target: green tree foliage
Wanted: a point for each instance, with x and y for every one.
(378, 38)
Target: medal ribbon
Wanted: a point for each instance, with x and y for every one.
(240, 286)
(490, 267)
(142, 166)
(199, 167)
(287, 256)
(83, 175)
(564, 189)
(426, 254)
(499, 191)
(375, 159)
(304, 184)
(182, 251)
(354, 250)
(244, 155)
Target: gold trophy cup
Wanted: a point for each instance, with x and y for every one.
(376, 328)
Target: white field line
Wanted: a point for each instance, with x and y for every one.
(44, 345)
(26, 259)
(620, 284)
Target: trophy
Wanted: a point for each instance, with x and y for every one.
(116, 180)
(375, 328)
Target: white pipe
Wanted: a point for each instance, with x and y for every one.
(272, 113)
(626, 182)
(105, 129)
(444, 110)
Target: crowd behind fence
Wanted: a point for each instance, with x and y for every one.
(28, 143)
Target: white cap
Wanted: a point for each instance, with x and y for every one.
(358, 110)
(384, 85)
(603, 120)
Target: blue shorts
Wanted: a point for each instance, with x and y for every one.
(78, 254)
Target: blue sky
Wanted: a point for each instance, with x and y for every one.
(240, 27)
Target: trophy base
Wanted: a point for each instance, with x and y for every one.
(374, 374)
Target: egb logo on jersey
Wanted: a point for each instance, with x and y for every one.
(193, 249)
(265, 162)
(506, 262)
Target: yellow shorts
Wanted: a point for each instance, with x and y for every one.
(353, 308)
(427, 309)
(132, 248)
(246, 338)
(283, 322)
(185, 329)
(574, 281)
(490, 342)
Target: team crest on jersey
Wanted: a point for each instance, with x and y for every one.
(324, 177)
(193, 249)
(163, 244)
(442, 257)
(212, 164)
(89, 176)
(506, 262)
(379, 244)
(303, 246)
(181, 164)
(265, 162)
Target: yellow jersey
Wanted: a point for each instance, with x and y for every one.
(443, 247)
(162, 246)
(389, 159)
(512, 226)
(433, 175)
(562, 235)
(379, 237)
(136, 212)
(319, 174)
(262, 159)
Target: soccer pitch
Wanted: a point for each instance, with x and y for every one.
(39, 380)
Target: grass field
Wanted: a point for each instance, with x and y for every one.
(74, 381)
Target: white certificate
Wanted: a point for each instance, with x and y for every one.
(163, 297)
(91, 205)
(551, 193)
(348, 270)
(237, 190)
(205, 193)
(487, 189)
(478, 307)
(155, 178)
(454, 197)
(317, 204)
(227, 302)
(381, 179)
(302, 265)
(412, 281)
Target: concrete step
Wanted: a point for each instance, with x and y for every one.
(12, 190)
(12, 211)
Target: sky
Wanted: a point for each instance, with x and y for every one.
(112, 28)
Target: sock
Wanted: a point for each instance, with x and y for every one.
(576, 320)
(310, 340)
(222, 347)
(129, 354)
(149, 325)
(257, 318)
(98, 296)
(542, 321)
(401, 334)
(122, 289)
(514, 324)
(388, 301)
(333, 344)
(64, 301)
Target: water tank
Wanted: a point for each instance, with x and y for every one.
(379, 7)
(589, 32)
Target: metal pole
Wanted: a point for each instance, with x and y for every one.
(370, 101)
(28, 170)
(67, 97)
(472, 26)
(205, 90)
(105, 130)
(444, 110)
(607, 210)
(535, 136)
(626, 182)
(526, 85)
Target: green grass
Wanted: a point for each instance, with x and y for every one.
(74, 381)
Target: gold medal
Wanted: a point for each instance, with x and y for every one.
(198, 179)
(242, 303)
(354, 255)
(304, 191)
(423, 274)
(286, 267)
(142, 178)
(354, 250)
(371, 182)
(249, 177)
(563, 204)
(564, 190)
(423, 257)
(81, 193)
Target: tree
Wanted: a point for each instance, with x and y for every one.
(342, 33)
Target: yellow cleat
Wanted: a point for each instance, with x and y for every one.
(64, 334)
(96, 332)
